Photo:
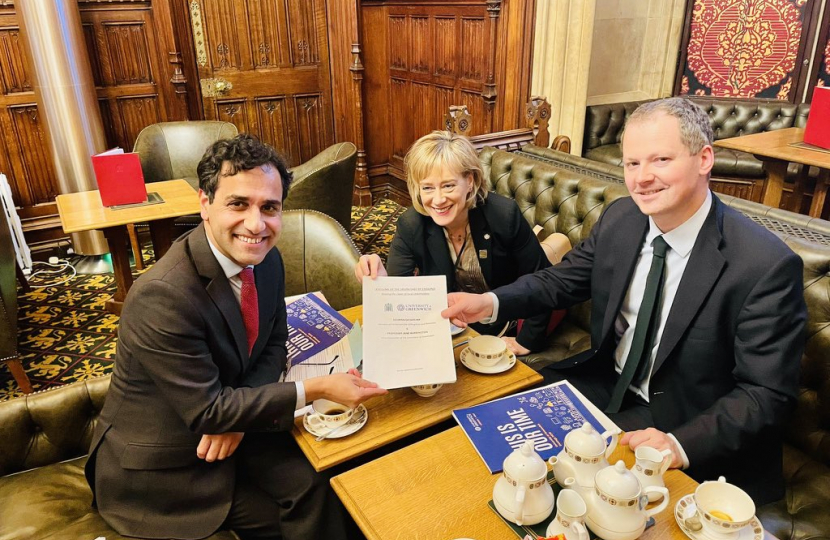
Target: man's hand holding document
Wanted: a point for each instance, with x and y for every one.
(406, 342)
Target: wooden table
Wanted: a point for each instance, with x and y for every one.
(83, 211)
(401, 412)
(438, 489)
(775, 149)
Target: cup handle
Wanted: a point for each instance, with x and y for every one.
(579, 529)
(663, 504)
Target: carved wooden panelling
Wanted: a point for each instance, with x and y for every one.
(476, 108)
(473, 49)
(127, 53)
(32, 153)
(444, 46)
(94, 54)
(421, 45)
(114, 137)
(444, 99)
(398, 42)
(422, 101)
(233, 111)
(222, 35)
(303, 31)
(399, 96)
(136, 112)
(310, 125)
(13, 67)
(267, 28)
(275, 120)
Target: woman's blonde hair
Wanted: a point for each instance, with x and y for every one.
(450, 150)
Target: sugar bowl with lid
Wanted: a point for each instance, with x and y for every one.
(522, 493)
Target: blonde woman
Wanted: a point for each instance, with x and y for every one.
(455, 228)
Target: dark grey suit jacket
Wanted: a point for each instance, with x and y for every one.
(504, 243)
(182, 370)
(727, 366)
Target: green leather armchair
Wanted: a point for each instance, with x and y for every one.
(319, 256)
(172, 150)
(8, 308)
(325, 183)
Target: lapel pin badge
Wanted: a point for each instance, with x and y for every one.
(486, 236)
(482, 254)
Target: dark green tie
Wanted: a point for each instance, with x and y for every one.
(647, 319)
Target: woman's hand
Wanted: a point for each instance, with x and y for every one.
(369, 265)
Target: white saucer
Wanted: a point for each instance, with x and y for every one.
(350, 427)
(507, 362)
(753, 531)
(455, 330)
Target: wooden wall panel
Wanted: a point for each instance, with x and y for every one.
(233, 111)
(273, 117)
(423, 56)
(12, 66)
(222, 35)
(30, 150)
(310, 121)
(127, 52)
(266, 39)
(136, 112)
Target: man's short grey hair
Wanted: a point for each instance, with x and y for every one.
(695, 129)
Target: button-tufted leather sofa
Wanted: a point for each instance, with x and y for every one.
(735, 172)
(566, 194)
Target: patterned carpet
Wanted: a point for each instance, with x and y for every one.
(65, 335)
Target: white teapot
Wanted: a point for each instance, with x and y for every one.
(617, 503)
(522, 493)
(584, 455)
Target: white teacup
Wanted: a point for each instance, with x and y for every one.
(487, 350)
(570, 516)
(426, 390)
(328, 414)
(723, 508)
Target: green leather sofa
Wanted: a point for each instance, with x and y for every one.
(45, 436)
(734, 172)
(566, 194)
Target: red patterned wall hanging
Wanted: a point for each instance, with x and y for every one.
(824, 71)
(743, 48)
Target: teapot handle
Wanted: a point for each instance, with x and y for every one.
(615, 435)
(667, 459)
(520, 504)
(663, 504)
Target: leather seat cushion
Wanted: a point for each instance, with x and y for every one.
(728, 163)
(55, 502)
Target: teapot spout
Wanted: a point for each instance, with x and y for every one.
(562, 470)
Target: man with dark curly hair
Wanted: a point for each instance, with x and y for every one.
(193, 436)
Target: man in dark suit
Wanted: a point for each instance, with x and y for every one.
(193, 435)
(714, 360)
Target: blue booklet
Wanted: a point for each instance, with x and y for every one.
(544, 415)
(313, 327)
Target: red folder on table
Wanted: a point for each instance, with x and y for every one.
(817, 131)
(120, 180)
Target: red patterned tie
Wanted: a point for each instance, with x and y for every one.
(250, 306)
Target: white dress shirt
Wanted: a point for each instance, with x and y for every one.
(232, 271)
(681, 240)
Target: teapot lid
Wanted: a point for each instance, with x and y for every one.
(524, 464)
(618, 482)
(585, 441)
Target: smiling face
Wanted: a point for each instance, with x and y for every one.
(444, 194)
(245, 218)
(666, 181)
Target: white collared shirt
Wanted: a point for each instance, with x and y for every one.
(232, 271)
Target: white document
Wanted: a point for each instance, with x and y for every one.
(406, 342)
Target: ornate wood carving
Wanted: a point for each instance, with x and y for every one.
(424, 56)
(29, 149)
(538, 116)
(12, 67)
(261, 50)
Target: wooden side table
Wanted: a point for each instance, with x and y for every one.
(83, 211)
